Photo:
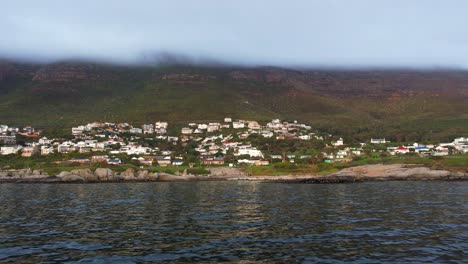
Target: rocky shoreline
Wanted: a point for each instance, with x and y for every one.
(378, 172)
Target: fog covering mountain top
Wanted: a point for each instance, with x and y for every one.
(358, 33)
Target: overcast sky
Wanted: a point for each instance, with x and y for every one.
(331, 33)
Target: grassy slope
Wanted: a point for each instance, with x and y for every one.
(136, 95)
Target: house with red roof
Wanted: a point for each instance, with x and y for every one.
(401, 150)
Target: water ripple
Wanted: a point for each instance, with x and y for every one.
(234, 221)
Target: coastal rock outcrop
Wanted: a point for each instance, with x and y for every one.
(153, 176)
(86, 174)
(23, 172)
(128, 174)
(393, 171)
(169, 177)
(64, 173)
(39, 172)
(377, 172)
(104, 174)
(72, 178)
(142, 175)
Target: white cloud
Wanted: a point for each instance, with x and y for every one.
(419, 33)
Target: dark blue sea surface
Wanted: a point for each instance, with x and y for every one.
(375, 222)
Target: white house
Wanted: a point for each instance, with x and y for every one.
(238, 125)
(341, 154)
(46, 150)
(177, 162)
(253, 152)
(378, 141)
(7, 150)
(161, 125)
(78, 131)
(66, 147)
(267, 134)
(136, 130)
(339, 142)
(186, 130)
(148, 129)
(275, 124)
(212, 127)
(44, 141)
(135, 150)
(254, 125)
(356, 151)
(461, 141)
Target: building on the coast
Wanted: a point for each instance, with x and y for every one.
(401, 150)
(238, 125)
(80, 161)
(47, 150)
(211, 160)
(136, 130)
(7, 150)
(338, 143)
(186, 131)
(252, 152)
(164, 161)
(378, 141)
(99, 158)
(177, 162)
(114, 161)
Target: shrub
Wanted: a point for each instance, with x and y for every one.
(284, 166)
(197, 171)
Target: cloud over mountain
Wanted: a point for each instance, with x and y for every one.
(358, 33)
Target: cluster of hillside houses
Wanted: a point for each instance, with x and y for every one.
(106, 141)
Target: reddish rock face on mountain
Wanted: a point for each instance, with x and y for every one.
(391, 84)
(268, 75)
(64, 72)
(186, 77)
(356, 83)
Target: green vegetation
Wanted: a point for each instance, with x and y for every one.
(452, 162)
(286, 168)
(55, 163)
(339, 103)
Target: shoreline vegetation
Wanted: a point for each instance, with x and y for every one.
(362, 173)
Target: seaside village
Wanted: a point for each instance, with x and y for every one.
(227, 143)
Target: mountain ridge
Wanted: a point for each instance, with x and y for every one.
(356, 103)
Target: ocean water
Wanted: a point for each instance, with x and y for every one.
(375, 222)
